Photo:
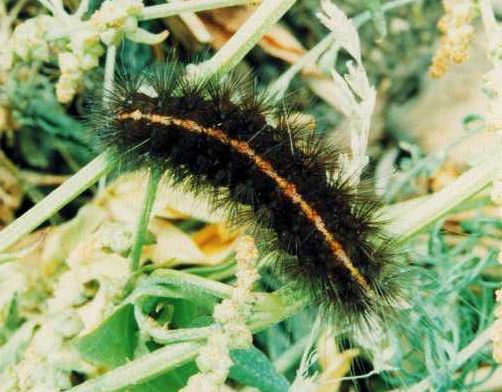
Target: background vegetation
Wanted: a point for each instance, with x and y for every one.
(412, 90)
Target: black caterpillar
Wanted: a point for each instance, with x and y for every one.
(214, 136)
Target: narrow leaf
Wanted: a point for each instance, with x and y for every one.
(251, 367)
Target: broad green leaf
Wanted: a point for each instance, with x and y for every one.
(113, 342)
(251, 367)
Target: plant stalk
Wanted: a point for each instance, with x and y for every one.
(171, 9)
(143, 368)
(144, 218)
(440, 203)
(234, 50)
(54, 201)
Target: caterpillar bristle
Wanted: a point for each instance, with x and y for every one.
(225, 139)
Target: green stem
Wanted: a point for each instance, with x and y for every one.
(142, 369)
(53, 202)
(171, 9)
(111, 54)
(14, 12)
(11, 351)
(440, 203)
(180, 278)
(165, 336)
(144, 218)
(48, 5)
(266, 15)
(279, 87)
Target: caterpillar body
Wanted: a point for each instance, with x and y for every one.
(213, 136)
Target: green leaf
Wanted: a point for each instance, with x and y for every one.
(169, 382)
(215, 272)
(189, 313)
(13, 320)
(113, 342)
(251, 367)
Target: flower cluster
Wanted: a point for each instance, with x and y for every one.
(457, 34)
(82, 297)
(28, 41)
(82, 54)
(116, 18)
(47, 38)
(74, 43)
(214, 360)
(45, 364)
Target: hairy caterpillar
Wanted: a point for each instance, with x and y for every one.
(213, 136)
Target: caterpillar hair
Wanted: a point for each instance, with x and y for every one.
(216, 136)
